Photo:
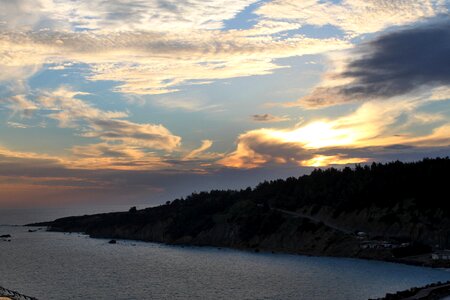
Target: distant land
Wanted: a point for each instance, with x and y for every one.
(394, 212)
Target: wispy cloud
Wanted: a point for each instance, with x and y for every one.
(105, 156)
(18, 125)
(119, 144)
(119, 15)
(186, 104)
(353, 16)
(155, 62)
(206, 144)
(70, 111)
(269, 118)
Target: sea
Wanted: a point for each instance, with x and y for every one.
(51, 265)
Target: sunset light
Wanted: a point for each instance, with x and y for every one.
(139, 139)
(139, 95)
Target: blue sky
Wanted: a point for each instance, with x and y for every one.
(140, 101)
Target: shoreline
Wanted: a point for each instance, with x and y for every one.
(437, 291)
(126, 243)
(7, 294)
(258, 250)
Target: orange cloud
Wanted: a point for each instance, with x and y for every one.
(327, 160)
(328, 142)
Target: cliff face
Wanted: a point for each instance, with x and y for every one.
(289, 234)
(408, 224)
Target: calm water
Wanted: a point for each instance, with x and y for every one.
(72, 266)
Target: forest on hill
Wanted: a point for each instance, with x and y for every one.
(319, 213)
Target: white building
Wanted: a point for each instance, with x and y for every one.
(441, 255)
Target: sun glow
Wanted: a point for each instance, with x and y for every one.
(318, 135)
(324, 160)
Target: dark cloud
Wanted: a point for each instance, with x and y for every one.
(268, 118)
(394, 64)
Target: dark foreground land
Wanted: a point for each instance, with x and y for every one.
(6, 294)
(395, 212)
(435, 291)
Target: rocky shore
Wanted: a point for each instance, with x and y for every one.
(290, 233)
(6, 294)
(435, 291)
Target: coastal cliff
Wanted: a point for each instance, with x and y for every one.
(395, 211)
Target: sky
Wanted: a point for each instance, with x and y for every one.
(143, 101)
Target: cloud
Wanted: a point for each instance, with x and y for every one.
(65, 106)
(259, 147)
(119, 144)
(186, 104)
(296, 146)
(398, 63)
(268, 118)
(22, 14)
(106, 125)
(357, 137)
(30, 182)
(157, 62)
(32, 179)
(130, 133)
(17, 125)
(104, 156)
(19, 104)
(269, 27)
(119, 15)
(148, 47)
(206, 144)
(353, 16)
(69, 110)
(441, 93)
(161, 46)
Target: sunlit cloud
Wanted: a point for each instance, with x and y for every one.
(353, 16)
(72, 67)
(120, 136)
(105, 125)
(5, 152)
(324, 161)
(441, 93)
(119, 15)
(154, 62)
(33, 179)
(186, 104)
(124, 145)
(17, 125)
(206, 144)
(114, 157)
(331, 142)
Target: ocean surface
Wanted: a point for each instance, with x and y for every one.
(51, 265)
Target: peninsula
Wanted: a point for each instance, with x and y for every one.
(395, 212)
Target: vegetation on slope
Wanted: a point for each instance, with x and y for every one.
(406, 201)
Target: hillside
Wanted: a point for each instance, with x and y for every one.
(393, 211)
